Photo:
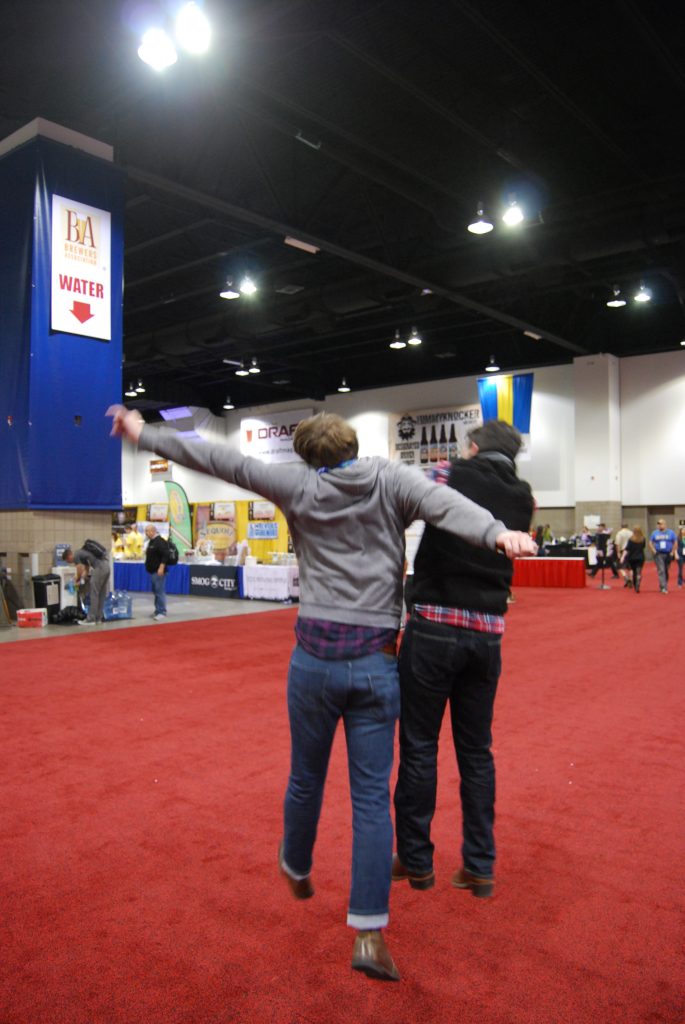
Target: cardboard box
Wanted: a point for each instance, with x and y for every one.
(32, 618)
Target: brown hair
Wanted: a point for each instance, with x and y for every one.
(638, 535)
(325, 440)
(497, 436)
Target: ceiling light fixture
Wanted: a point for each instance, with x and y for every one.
(533, 335)
(241, 371)
(397, 341)
(513, 214)
(296, 243)
(254, 368)
(140, 387)
(414, 338)
(131, 393)
(247, 286)
(193, 31)
(643, 295)
(492, 366)
(482, 225)
(617, 301)
(228, 404)
(157, 49)
(229, 291)
(683, 342)
(343, 387)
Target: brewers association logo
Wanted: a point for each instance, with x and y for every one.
(80, 236)
(406, 428)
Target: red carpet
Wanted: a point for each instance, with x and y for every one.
(142, 779)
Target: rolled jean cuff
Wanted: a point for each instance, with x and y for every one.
(292, 874)
(367, 922)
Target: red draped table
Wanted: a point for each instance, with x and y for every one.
(549, 572)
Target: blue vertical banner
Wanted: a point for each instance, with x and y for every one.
(61, 212)
(506, 397)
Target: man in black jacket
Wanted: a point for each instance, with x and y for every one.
(451, 652)
(156, 559)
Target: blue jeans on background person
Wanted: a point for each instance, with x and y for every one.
(365, 694)
(441, 663)
(159, 590)
(662, 560)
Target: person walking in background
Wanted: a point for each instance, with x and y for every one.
(662, 544)
(156, 558)
(92, 567)
(634, 556)
(347, 518)
(451, 654)
(680, 553)
(621, 539)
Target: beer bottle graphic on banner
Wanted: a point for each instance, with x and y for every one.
(453, 445)
(442, 449)
(433, 450)
(423, 448)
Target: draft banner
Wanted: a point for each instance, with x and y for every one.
(81, 269)
(270, 437)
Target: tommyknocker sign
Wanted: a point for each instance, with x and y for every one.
(81, 269)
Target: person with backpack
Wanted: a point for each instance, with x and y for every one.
(156, 561)
(92, 565)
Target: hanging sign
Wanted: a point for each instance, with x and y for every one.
(270, 437)
(81, 269)
(432, 435)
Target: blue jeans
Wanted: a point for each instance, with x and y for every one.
(663, 561)
(440, 663)
(159, 590)
(365, 693)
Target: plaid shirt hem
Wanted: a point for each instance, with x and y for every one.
(340, 641)
(462, 618)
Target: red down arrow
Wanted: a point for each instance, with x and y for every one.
(81, 311)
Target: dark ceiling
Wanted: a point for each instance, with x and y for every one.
(372, 130)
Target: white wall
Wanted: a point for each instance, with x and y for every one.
(653, 429)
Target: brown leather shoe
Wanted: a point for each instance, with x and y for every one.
(482, 887)
(400, 873)
(301, 888)
(372, 956)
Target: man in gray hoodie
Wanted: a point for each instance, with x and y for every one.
(347, 518)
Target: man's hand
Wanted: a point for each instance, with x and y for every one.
(514, 543)
(160, 571)
(125, 422)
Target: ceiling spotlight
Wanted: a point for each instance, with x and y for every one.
(643, 295)
(254, 368)
(397, 341)
(513, 214)
(131, 393)
(229, 291)
(683, 342)
(228, 404)
(343, 387)
(193, 32)
(481, 225)
(617, 301)
(157, 49)
(492, 366)
(140, 387)
(414, 338)
(296, 243)
(241, 371)
(533, 335)
(247, 286)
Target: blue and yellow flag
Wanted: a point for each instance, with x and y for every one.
(508, 398)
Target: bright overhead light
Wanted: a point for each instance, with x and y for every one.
(193, 31)
(228, 404)
(242, 371)
(296, 243)
(643, 295)
(533, 335)
(229, 291)
(343, 387)
(397, 341)
(247, 286)
(414, 338)
(513, 214)
(683, 342)
(492, 366)
(131, 393)
(481, 225)
(254, 368)
(140, 387)
(617, 301)
(157, 49)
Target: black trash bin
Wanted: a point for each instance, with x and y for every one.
(46, 593)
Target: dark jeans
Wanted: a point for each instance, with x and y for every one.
(438, 664)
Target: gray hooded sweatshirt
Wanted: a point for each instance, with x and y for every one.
(347, 524)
